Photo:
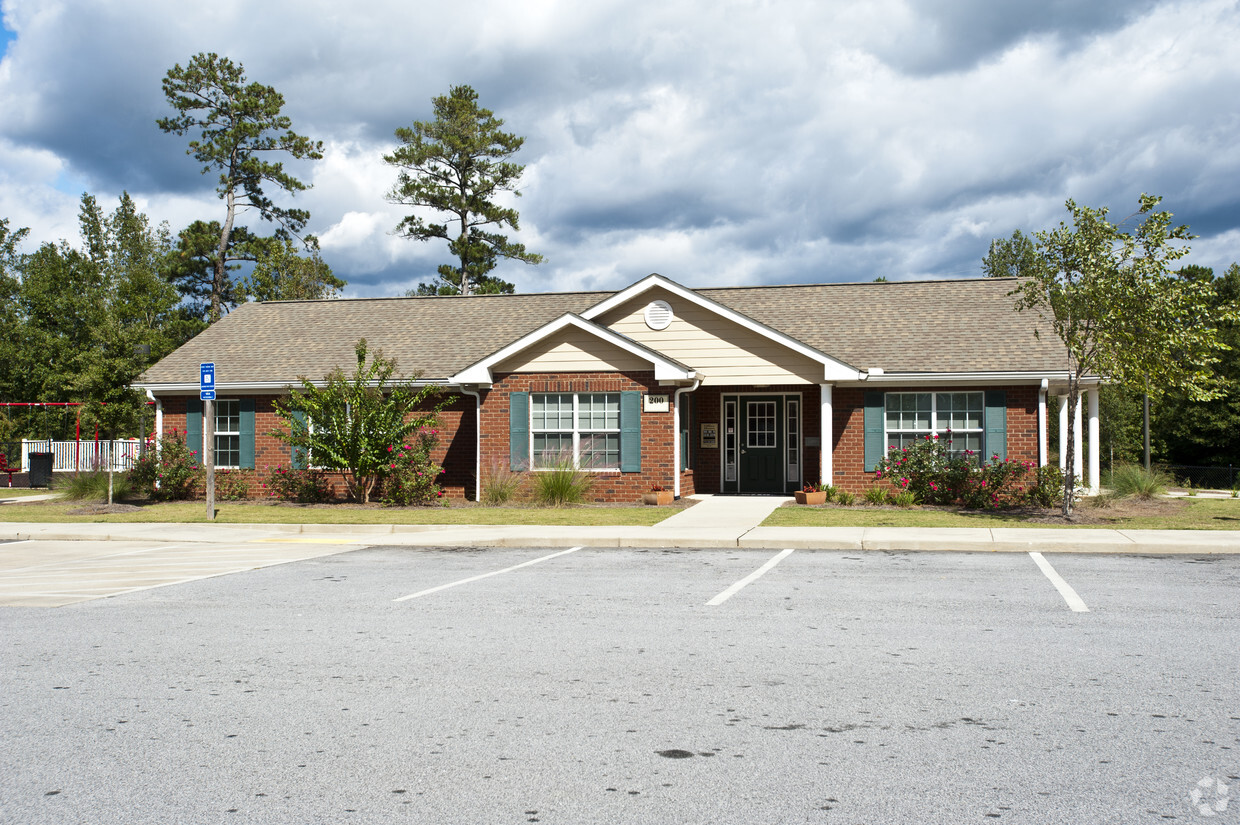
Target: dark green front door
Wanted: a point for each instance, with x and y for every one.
(761, 444)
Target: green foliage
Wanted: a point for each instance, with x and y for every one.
(929, 472)
(281, 274)
(500, 484)
(303, 486)
(845, 499)
(1014, 257)
(350, 423)
(237, 124)
(455, 165)
(1047, 489)
(1111, 297)
(903, 499)
(85, 322)
(875, 496)
(92, 486)
(412, 477)
(234, 485)
(171, 473)
(1135, 480)
(562, 483)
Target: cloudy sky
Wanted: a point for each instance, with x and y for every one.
(717, 142)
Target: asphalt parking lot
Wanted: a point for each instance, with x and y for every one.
(605, 685)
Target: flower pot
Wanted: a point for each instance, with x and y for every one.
(659, 497)
(811, 498)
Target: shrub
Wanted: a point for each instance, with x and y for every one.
(411, 477)
(500, 485)
(1135, 480)
(1047, 487)
(934, 475)
(832, 492)
(876, 496)
(301, 486)
(170, 473)
(233, 485)
(91, 486)
(562, 483)
(903, 499)
(845, 498)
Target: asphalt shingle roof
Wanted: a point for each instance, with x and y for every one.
(901, 326)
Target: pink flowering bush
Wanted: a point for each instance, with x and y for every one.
(411, 477)
(301, 486)
(170, 473)
(933, 475)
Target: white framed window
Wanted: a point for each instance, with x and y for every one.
(228, 433)
(958, 416)
(583, 428)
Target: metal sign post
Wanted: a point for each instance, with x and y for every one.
(206, 391)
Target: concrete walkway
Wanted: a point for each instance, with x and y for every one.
(741, 513)
(854, 539)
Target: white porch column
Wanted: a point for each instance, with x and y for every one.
(159, 425)
(1077, 448)
(1042, 424)
(1063, 433)
(826, 463)
(1095, 447)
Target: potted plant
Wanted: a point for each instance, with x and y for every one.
(811, 494)
(658, 495)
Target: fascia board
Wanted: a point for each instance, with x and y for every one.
(989, 378)
(835, 370)
(665, 369)
(260, 386)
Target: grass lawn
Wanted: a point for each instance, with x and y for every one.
(243, 513)
(1158, 514)
(21, 492)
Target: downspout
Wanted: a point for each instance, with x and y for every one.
(477, 394)
(697, 382)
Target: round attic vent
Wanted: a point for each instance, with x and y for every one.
(659, 315)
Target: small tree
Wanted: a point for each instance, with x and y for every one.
(1112, 298)
(354, 423)
(239, 124)
(455, 165)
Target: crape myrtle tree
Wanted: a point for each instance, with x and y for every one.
(353, 423)
(1120, 310)
(456, 165)
(238, 126)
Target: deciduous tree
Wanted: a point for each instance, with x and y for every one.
(1122, 313)
(238, 125)
(1012, 257)
(455, 166)
(354, 423)
(281, 274)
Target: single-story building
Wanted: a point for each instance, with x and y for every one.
(733, 390)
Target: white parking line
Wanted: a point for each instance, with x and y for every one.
(752, 577)
(1069, 595)
(486, 575)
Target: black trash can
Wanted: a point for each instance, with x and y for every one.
(41, 469)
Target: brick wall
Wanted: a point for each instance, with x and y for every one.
(658, 436)
(849, 429)
(455, 453)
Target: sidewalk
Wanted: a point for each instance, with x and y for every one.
(714, 522)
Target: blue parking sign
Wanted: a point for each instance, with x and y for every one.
(206, 381)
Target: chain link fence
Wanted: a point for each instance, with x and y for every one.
(1206, 478)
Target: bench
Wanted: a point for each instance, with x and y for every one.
(5, 468)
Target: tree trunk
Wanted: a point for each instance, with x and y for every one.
(1069, 462)
(221, 263)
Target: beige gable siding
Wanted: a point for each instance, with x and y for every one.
(573, 350)
(723, 352)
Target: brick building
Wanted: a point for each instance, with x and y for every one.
(744, 390)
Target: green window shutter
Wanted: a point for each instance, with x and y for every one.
(519, 430)
(247, 433)
(297, 455)
(630, 432)
(875, 449)
(996, 424)
(684, 450)
(193, 428)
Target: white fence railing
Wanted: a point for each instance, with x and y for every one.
(84, 456)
